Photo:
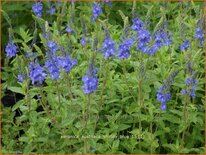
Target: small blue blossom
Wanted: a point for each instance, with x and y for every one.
(124, 48)
(158, 40)
(163, 94)
(142, 46)
(188, 81)
(20, 78)
(69, 29)
(108, 47)
(51, 10)
(90, 84)
(96, 11)
(83, 41)
(37, 8)
(166, 38)
(191, 83)
(199, 33)
(163, 97)
(11, 50)
(52, 65)
(152, 50)
(184, 92)
(52, 46)
(185, 45)
(137, 24)
(144, 37)
(36, 73)
(67, 63)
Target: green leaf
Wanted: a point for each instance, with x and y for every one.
(17, 105)
(123, 127)
(38, 50)
(17, 90)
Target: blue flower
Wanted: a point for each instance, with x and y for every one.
(158, 40)
(144, 37)
(90, 84)
(166, 40)
(52, 46)
(11, 50)
(67, 63)
(184, 92)
(96, 11)
(163, 97)
(36, 73)
(199, 33)
(137, 24)
(51, 10)
(83, 41)
(152, 50)
(69, 29)
(108, 47)
(52, 65)
(124, 48)
(20, 78)
(37, 8)
(191, 83)
(185, 45)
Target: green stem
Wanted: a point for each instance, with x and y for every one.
(104, 85)
(28, 100)
(57, 86)
(70, 87)
(44, 105)
(87, 119)
(125, 78)
(185, 115)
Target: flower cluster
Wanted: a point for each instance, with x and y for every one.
(90, 84)
(124, 48)
(36, 74)
(96, 11)
(191, 84)
(108, 47)
(52, 65)
(67, 63)
(90, 80)
(163, 94)
(52, 46)
(137, 24)
(160, 39)
(11, 50)
(37, 8)
(163, 97)
(185, 45)
(144, 38)
(200, 35)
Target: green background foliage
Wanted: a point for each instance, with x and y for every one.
(123, 114)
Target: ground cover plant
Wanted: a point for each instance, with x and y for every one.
(102, 77)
